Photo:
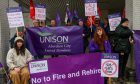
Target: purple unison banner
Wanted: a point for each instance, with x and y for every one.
(55, 40)
(137, 53)
(76, 69)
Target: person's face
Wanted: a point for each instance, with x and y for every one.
(36, 24)
(81, 23)
(19, 44)
(125, 24)
(100, 32)
(43, 24)
(68, 24)
(53, 23)
(20, 34)
(105, 21)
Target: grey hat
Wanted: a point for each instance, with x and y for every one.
(18, 38)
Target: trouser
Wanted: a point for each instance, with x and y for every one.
(85, 45)
(20, 78)
(122, 64)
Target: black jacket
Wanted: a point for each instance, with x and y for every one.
(122, 43)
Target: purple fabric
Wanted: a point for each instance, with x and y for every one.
(93, 47)
(55, 40)
(69, 14)
(137, 54)
(58, 19)
(72, 64)
(90, 1)
(1, 66)
(75, 14)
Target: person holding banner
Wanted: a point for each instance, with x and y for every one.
(36, 23)
(17, 59)
(53, 23)
(42, 23)
(69, 23)
(99, 42)
(86, 33)
(123, 41)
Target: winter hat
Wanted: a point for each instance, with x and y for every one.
(80, 20)
(34, 21)
(124, 20)
(97, 17)
(18, 38)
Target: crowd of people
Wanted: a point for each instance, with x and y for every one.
(97, 38)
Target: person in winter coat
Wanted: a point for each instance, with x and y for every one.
(97, 23)
(123, 41)
(99, 42)
(17, 59)
(86, 33)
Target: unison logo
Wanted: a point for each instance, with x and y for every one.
(54, 39)
(51, 38)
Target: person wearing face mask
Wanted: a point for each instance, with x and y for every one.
(123, 41)
(17, 59)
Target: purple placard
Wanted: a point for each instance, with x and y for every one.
(76, 69)
(137, 54)
(13, 9)
(113, 56)
(90, 1)
(55, 40)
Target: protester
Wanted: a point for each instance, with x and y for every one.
(20, 32)
(97, 23)
(106, 26)
(17, 59)
(36, 23)
(86, 33)
(99, 42)
(42, 23)
(123, 41)
(53, 23)
(69, 23)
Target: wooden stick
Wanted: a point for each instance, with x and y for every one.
(109, 80)
(5, 73)
(91, 22)
(17, 31)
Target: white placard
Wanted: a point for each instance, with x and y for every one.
(114, 21)
(38, 66)
(40, 12)
(109, 68)
(91, 9)
(15, 17)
